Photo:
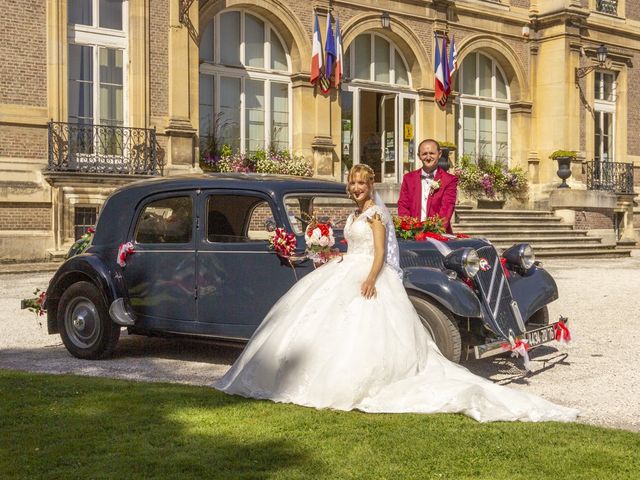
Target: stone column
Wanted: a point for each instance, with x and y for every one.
(183, 90)
(626, 228)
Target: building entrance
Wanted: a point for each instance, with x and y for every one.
(378, 129)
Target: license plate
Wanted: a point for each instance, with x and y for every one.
(540, 335)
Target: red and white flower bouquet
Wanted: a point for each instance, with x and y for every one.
(320, 240)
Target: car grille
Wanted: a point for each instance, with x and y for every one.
(503, 313)
(421, 258)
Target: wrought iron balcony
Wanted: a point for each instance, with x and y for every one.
(103, 149)
(607, 6)
(611, 176)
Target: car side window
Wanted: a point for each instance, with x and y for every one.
(238, 218)
(168, 220)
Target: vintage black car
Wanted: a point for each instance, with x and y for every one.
(200, 266)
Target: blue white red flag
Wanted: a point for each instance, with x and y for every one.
(339, 71)
(317, 57)
(453, 57)
(330, 58)
(439, 74)
(446, 75)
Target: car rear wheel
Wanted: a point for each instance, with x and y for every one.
(84, 323)
(440, 325)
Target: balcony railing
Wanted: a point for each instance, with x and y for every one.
(103, 149)
(607, 6)
(611, 176)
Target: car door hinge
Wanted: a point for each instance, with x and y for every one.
(197, 223)
(195, 292)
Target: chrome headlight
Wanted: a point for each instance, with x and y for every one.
(521, 255)
(465, 261)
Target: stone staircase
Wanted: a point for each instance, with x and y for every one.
(546, 233)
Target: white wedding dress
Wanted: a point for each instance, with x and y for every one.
(323, 345)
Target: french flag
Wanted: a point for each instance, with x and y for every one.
(439, 75)
(317, 58)
(339, 71)
(330, 60)
(453, 57)
(446, 74)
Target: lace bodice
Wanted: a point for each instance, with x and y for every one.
(358, 232)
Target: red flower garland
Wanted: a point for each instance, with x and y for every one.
(283, 243)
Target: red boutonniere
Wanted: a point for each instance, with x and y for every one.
(435, 186)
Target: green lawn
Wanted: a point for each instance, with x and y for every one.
(66, 427)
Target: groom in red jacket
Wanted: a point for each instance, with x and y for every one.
(429, 191)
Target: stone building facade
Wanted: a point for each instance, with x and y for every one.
(96, 94)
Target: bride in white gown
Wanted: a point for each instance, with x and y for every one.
(347, 337)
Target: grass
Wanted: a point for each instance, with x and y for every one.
(66, 427)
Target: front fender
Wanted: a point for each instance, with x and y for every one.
(83, 267)
(453, 294)
(533, 291)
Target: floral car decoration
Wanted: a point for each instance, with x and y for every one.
(283, 242)
(410, 228)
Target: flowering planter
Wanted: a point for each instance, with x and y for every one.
(490, 204)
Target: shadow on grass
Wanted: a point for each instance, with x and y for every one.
(94, 428)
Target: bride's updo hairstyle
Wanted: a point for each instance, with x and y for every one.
(365, 169)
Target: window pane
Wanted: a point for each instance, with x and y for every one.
(80, 84)
(347, 63)
(111, 75)
(382, 60)
(469, 131)
(501, 85)
(230, 112)
(363, 57)
(279, 116)
(230, 38)
(206, 107)
(408, 134)
(278, 55)
(238, 218)
(485, 140)
(166, 221)
(206, 43)
(80, 12)
(254, 116)
(253, 41)
(402, 76)
(608, 87)
(346, 99)
(111, 14)
(502, 136)
(485, 75)
(598, 135)
(469, 75)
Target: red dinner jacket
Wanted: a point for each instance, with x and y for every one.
(442, 202)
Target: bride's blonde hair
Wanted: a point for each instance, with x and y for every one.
(365, 169)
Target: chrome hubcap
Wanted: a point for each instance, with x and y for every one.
(82, 322)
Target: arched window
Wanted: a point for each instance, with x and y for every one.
(245, 83)
(373, 58)
(484, 119)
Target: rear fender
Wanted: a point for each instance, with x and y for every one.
(83, 267)
(453, 294)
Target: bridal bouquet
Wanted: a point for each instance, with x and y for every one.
(320, 240)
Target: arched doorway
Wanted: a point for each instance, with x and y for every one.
(378, 108)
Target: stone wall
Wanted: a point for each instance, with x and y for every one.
(594, 220)
(23, 141)
(159, 58)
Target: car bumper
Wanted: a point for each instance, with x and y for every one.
(535, 338)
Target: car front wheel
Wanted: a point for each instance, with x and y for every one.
(440, 325)
(84, 323)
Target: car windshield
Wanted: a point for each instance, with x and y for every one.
(303, 207)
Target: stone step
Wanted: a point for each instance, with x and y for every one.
(494, 226)
(501, 212)
(540, 247)
(584, 253)
(523, 233)
(509, 218)
(539, 241)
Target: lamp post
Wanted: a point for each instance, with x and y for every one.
(385, 20)
(601, 58)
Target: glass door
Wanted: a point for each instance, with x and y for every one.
(388, 116)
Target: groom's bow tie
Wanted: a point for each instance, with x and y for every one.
(426, 175)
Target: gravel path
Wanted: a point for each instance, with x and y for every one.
(598, 373)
